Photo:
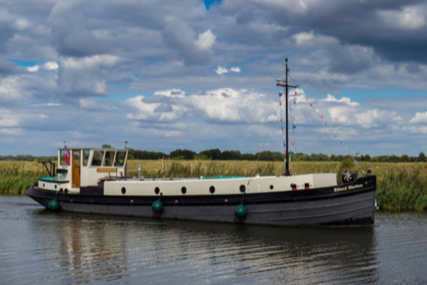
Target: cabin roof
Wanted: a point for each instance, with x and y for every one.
(92, 148)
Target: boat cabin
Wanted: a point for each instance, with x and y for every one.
(83, 167)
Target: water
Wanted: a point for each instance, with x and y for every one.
(42, 247)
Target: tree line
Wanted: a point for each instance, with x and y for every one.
(216, 154)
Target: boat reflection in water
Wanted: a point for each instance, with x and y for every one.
(90, 248)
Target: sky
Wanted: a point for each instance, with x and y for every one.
(197, 75)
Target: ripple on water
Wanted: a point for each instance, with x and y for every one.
(41, 247)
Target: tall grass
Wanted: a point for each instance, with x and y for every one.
(400, 186)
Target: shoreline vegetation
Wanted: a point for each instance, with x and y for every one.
(400, 186)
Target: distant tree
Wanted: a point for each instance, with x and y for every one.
(249, 156)
(214, 153)
(393, 158)
(187, 154)
(106, 146)
(404, 158)
(231, 155)
(201, 157)
(323, 157)
(366, 157)
(314, 157)
(421, 157)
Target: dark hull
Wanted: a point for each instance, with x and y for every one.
(325, 206)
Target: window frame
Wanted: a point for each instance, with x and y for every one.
(83, 157)
(113, 159)
(93, 155)
(124, 158)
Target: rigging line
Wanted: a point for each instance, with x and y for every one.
(293, 125)
(281, 121)
(265, 139)
(330, 129)
(349, 152)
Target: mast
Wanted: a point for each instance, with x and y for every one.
(286, 86)
(287, 123)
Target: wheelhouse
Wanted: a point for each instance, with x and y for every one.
(83, 167)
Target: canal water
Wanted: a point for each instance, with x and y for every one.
(42, 247)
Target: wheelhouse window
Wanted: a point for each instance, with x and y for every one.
(97, 158)
(109, 158)
(64, 157)
(86, 153)
(120, 158)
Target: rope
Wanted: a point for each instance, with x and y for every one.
(326, 124)
(294, 143)
(281, 121)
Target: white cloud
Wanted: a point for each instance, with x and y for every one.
(372, 118)
(224, 104)
(206, 40)
(310, 39)
(7, 119)
(91, 104)
(50, 65)
(345, 100)
(418, 130)
(235, 69)
(303, 37)
(90, 61)
(145, 110)
(46, 105)
(177, 93)
(410, 18)
(11, 131)
(221, 70)
(158, 111)
(341, 115)
(227, 104)
(12, 88)
(419, 118)
(295, 6)
(21, 24)
(33, 68)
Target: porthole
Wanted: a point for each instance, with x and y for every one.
(183, 190)
(212, 189)
(43, 184)
(157, 190)
(123, 190)
(271, 187)
(242, 188)
(56, 186)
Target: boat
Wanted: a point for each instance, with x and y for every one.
(95, 180)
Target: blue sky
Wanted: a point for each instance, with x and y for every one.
(201, 75)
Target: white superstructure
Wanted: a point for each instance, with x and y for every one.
(87, 167)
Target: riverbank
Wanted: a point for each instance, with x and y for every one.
(400, 186)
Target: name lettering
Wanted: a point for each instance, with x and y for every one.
(350, 187)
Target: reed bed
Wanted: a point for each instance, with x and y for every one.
(400, 186)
